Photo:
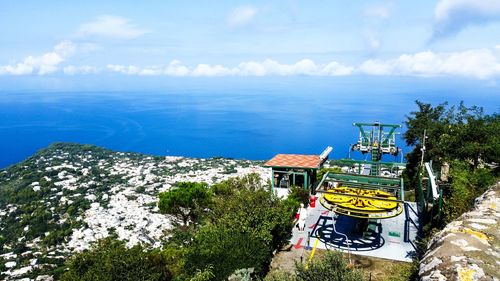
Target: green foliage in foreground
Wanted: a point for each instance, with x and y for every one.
(246, 224)
(226, 249)
(332, 267)
(238, 225)
(111, 260)
(466, 185)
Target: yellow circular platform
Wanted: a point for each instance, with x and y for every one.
(347, 201)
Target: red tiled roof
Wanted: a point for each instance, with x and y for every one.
(295, 161)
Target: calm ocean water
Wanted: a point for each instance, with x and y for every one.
(251, 122)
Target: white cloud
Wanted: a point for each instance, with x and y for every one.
(336, 69)
(241, 16)
(136, 70)
(250, 68)
(175, 68)
(108, 26)
(451, 16)
(44, 64)
(476, 63)
(84, 69)
(212, 70)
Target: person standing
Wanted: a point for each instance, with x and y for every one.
(302, 217)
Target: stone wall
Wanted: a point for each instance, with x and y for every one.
(469, 247)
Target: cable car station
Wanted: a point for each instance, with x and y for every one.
(362, 209)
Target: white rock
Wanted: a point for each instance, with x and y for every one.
(457, 258)
(10, 264)
(22, 270)
(478, 226)
(433, 263)
(460, 243)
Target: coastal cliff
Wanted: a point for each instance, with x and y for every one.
(67, 196)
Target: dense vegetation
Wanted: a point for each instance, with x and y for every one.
(111, 260)
(234, 225)
(40, 215)
(462, 138)
(43, 200)
(332, 267)
(230, 228)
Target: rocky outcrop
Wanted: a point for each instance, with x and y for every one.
(469, 247)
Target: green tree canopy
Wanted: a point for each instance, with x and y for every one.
(245, 225)
(452, 133)
(255, 208)
(110, 260)
(187, 201)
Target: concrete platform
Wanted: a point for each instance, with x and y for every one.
(393, 238)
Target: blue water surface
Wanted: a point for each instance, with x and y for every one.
(251, 119)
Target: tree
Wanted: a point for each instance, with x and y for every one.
(245, 225)
(434, 121)
(452, 133)
(478, 139)
(254, 208)
(110, 260)
(187, 201)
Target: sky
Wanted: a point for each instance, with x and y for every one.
(46, 41)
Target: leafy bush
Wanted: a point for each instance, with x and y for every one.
(466, 185)
(245, 225)
(111, 260)
(299, 194)
(227, 249)
(331, 267)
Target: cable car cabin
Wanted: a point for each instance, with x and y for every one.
(296, 169)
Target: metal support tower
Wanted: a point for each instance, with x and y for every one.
(377, 139)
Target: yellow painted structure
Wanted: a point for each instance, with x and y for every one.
(362, 203)
(312, 253)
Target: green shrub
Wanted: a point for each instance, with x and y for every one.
(466, 185)
(331, 267)
(111, 260)
(245, 225)
(227, 249)
(300, 195)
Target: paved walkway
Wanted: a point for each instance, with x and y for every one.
(385, 240)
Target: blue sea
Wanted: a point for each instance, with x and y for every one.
(250, 119)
